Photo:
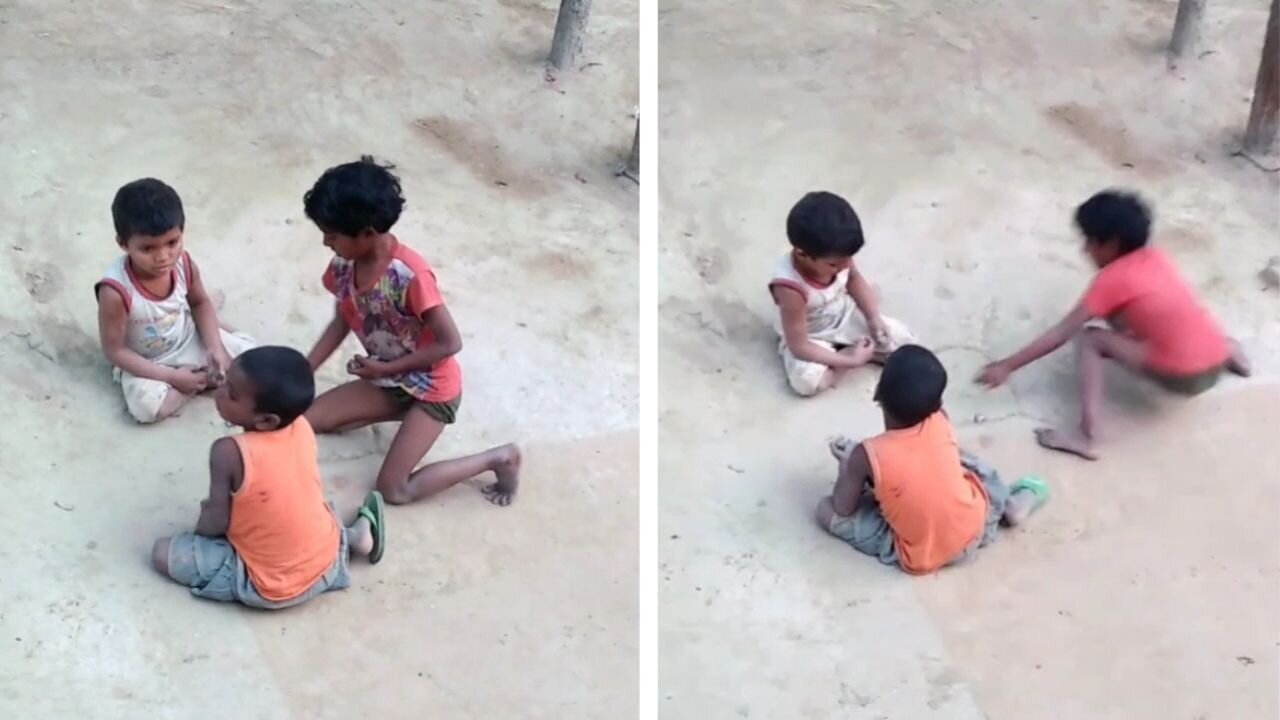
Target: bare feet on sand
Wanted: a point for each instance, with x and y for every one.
(1067, 441)
(507, 468)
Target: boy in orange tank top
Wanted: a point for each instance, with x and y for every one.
(266, 536)
(1159, 328)
(909, 496)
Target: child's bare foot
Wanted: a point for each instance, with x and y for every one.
(841, 447)
(1238, 363)
(507, 467)
(1068, 441)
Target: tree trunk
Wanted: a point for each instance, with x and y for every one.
(566, 45)
(1264, 117)
(633, 162)
(1186, 29)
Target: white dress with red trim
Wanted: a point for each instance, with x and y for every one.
(157, 327)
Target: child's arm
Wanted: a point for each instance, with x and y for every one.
(865, 298)
(850, 481)
(206, 317)
(330, 339)
(226, 473)
(447, 341)
(796, 333)
(996, 373)
(113, 323)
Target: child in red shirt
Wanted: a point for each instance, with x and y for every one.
(387, 294)
(1159, 328)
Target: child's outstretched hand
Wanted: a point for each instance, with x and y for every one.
(994, 375)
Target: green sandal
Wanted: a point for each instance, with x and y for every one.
(1033, 485)
(374, 510)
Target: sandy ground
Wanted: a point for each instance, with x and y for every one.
(965, 134)
(476, 612)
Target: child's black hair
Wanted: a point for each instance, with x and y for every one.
(146, 207)
(911, 385)
(355, 196)
(1115, 215)
(282, 380)
(823, 225)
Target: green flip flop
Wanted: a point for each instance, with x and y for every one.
(374, 510)
(1035, 486)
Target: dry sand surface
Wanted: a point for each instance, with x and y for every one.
(964, 133)
(476, 612)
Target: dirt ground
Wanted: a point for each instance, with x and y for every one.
(965, 134)
(476, 612)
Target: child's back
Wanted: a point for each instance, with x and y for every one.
(935, 506)
(1144, 291)
(280, 523)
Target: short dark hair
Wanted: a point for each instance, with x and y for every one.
(911, 385)
(1115, 215)
(823, 224)
(351, 197)
(282, 381)
(146, 207)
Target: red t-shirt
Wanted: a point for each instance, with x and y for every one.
(388, 320)
(1145, 292)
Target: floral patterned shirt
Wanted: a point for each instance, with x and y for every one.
(388, 320)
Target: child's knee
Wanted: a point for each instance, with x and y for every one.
(160, 556)
(825, 513)
(395, 491)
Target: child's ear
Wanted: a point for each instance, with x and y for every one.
(266, 422)
(367, 233)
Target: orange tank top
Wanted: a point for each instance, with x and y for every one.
(280, 524)
(933, 505)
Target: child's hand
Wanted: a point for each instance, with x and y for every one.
(859, 353)
(219, 364)
(994, 375)
(367, 368)
(189, 381)
(841, 447)
(879, 333)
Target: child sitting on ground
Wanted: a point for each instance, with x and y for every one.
(266, 537)
(820, 294)
(1159, 328)
(909, 496)
(387, 294)
(156, 322)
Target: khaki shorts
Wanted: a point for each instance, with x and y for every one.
(1187, 384)
(214, 571)
(804, 377)
(445, 412)
(143, 396)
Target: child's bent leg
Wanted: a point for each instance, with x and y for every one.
(150, 401)
(1095, 345)
(235, 343)
(865, 530)
(353, 405)
(809, 378)
(418, 432)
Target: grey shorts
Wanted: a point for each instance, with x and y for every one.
(868, 532)
(214, 571)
